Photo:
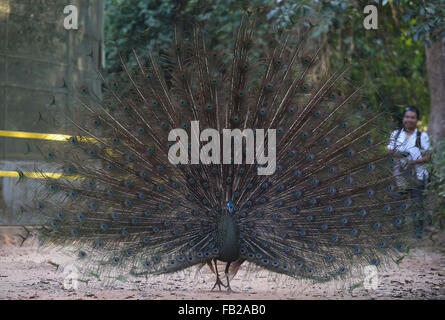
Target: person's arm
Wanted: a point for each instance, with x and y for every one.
(392, 142)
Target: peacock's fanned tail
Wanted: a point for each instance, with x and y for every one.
(331, 205)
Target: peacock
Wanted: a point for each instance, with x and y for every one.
(197, 156)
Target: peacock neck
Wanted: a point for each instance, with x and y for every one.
(227, 238)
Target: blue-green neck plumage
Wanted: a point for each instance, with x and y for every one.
(227, 238)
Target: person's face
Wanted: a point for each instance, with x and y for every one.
(410, 120)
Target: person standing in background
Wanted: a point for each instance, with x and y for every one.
(413, 145)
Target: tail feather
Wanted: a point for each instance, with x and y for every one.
(331, 206)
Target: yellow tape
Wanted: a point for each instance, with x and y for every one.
(46, 136)
(34, 135)
(42, 175)
(42, 136)
(36, 175)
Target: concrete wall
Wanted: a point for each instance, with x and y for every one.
(42, 66)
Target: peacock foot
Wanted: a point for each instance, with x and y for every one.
(219, 283)
(229, 290)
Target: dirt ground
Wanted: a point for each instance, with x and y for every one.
(28, 272)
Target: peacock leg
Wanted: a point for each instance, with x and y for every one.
(227, 277)
(218, 280)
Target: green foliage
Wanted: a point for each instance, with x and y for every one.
(427, 18)
(390, 61)
(387, 61)
(136, 24)
(142, 24)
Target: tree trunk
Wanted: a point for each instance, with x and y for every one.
(435, 63)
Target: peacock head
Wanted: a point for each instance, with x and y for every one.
(230, 206)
